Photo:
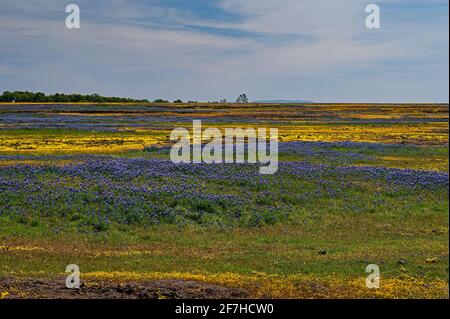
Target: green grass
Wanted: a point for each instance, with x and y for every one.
(350, 242)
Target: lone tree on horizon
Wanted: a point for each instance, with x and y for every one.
(242, 98)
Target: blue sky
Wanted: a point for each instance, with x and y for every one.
(212, 49)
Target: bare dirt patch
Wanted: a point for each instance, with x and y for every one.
(159, 289)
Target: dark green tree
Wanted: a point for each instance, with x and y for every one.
(242, 98)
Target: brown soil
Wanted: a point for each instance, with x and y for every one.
(168, 289)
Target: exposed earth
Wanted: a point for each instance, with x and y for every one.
(160, 289)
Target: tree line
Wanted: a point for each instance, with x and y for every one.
(25, 96)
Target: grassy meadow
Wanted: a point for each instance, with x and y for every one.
(93, 185)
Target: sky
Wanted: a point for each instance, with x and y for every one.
(207, 50)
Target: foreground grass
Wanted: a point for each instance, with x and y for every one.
(326, 258)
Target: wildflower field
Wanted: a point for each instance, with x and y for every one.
(93, 185)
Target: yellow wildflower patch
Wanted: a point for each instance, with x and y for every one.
(262, 285)
(20, 248)
(3, 294)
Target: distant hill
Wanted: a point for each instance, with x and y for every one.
(283, 101)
